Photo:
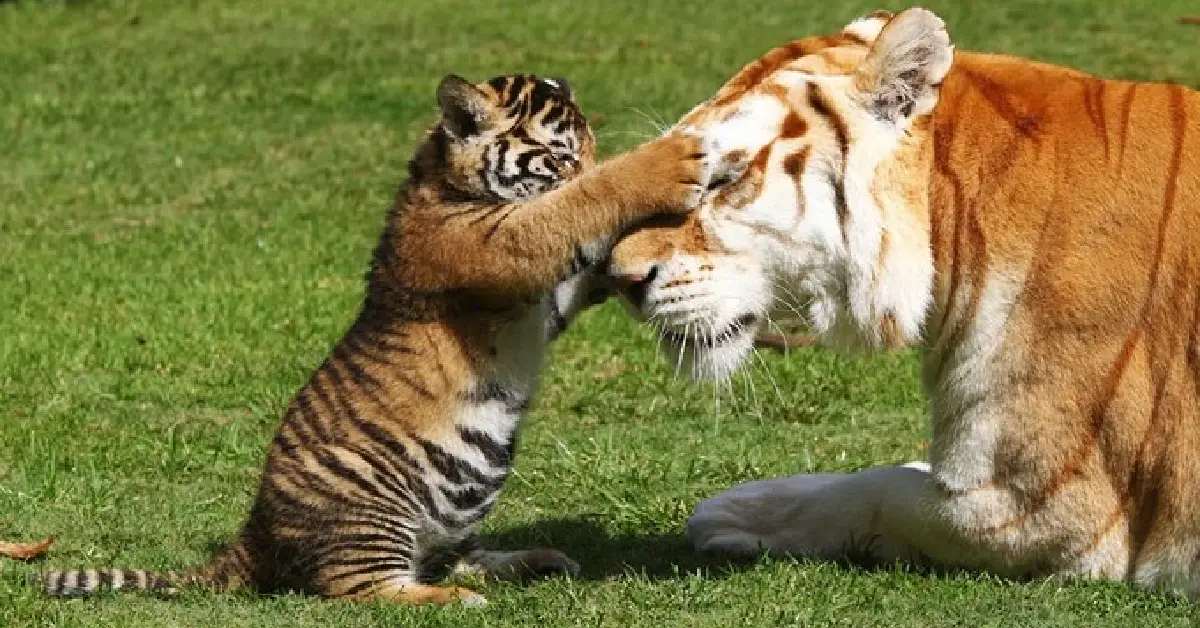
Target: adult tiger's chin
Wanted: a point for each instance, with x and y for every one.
(708, 355)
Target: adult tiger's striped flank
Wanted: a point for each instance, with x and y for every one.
(387, 459)
(1035, 230)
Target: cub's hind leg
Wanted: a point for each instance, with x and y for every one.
(415, 593)
(365, 563)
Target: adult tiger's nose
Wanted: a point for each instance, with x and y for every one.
(633, 286)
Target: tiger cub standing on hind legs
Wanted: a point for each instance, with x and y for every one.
(399, 443)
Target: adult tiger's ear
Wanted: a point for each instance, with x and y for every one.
(906, 65)
(466, 110)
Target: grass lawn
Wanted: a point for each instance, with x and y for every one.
(189, 193)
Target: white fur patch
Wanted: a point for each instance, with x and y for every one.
(968, 428)
(866, 28)
(754, 125)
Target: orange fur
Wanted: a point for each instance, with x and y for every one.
(387, 459)
(1058, 215)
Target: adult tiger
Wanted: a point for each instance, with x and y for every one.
(1034, 229)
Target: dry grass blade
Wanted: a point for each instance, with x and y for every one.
(26, 551)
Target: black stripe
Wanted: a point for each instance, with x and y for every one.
(386, 523)
(471, 209)
(374, 352)
(343, 538)
(416, 486)
(553, 114)
(492, 390)
(335, 466)
(492, 210)
(382, 437)
(316, 420)
(497, 454)
(319, 485)
(491, 232)
(516, 88)
(539, 96)
(366, 382)
(362, 586)
(499, 83)
(317, 387)
(359, 561)
(338, 386)
(468, 497)
(453, 469)
(392, 482)
(487, 166)
(580, 261)
(381, 567)
(819, 102)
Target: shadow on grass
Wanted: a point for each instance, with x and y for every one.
(662, 556)
(602, 555)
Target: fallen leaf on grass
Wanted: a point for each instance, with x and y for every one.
(25, 551)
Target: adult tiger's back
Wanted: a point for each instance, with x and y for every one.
(1035, 229)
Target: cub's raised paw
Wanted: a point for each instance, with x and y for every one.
(670, 171)
(707, 167)
(722, 167)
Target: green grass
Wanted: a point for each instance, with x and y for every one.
(189, 192)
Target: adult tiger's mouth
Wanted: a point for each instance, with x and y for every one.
(713, 356)
(723, 336)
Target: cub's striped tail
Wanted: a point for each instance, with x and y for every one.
(81, 582)
(229, 569)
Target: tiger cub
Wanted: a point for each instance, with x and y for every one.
(398, 445)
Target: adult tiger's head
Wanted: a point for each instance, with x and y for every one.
(510, 138)
(837, 131)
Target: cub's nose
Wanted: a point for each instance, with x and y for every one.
(633, 286)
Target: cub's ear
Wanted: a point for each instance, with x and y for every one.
(563, 85)
(908, 61)
(466, 110)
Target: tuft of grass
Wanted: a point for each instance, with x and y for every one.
(189, 193)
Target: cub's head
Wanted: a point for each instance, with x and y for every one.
(510, 138)
(831, 218)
